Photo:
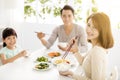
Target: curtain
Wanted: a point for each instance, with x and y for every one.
(11, 12)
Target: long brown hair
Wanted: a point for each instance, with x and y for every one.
(102, 23)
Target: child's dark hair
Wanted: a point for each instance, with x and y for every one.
(67, 7)
(8, 32)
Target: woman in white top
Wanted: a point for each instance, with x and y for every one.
(100, 36)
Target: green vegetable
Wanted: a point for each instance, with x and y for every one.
(42, 66)
(42, 59)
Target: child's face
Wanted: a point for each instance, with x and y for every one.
(10, 41)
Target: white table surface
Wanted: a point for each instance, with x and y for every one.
(22, 69)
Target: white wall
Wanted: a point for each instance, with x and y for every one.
(11, 12)
(114, 53)
(27, 37)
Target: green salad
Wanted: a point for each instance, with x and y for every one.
(42, 66)
(42, 59)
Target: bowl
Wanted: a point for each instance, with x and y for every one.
(62, 44)
(63, 67)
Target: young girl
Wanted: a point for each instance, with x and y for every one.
(10, 52)
(99, 35)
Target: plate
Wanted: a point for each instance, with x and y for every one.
(57, 61)
(54, 54)
(42, 59)
(42, 66)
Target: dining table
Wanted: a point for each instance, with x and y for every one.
(23, 68)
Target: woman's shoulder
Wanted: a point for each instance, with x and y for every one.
(98, 48)
(98, 51)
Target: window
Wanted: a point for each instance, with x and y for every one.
(48, 11)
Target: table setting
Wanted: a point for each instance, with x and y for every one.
(43, 64)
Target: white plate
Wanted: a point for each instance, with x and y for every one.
(46, 59)
(50, 66)
(54, 61)
(54, 52)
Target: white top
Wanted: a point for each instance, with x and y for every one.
(94, 65)
(10, 53)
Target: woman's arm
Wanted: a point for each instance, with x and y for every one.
(98, 64)
(79, 57)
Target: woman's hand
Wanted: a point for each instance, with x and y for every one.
(66, 73)
(40, 35)
(74, 48)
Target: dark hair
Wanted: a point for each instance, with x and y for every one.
(8, 32)
(67, 7)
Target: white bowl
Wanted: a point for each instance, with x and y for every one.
(63, 67)
(63, 44)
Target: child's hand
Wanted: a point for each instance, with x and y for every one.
(22, 53)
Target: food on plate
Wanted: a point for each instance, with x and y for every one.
(58, 61)
(42, 59)
(54, 54)
(42, 66)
